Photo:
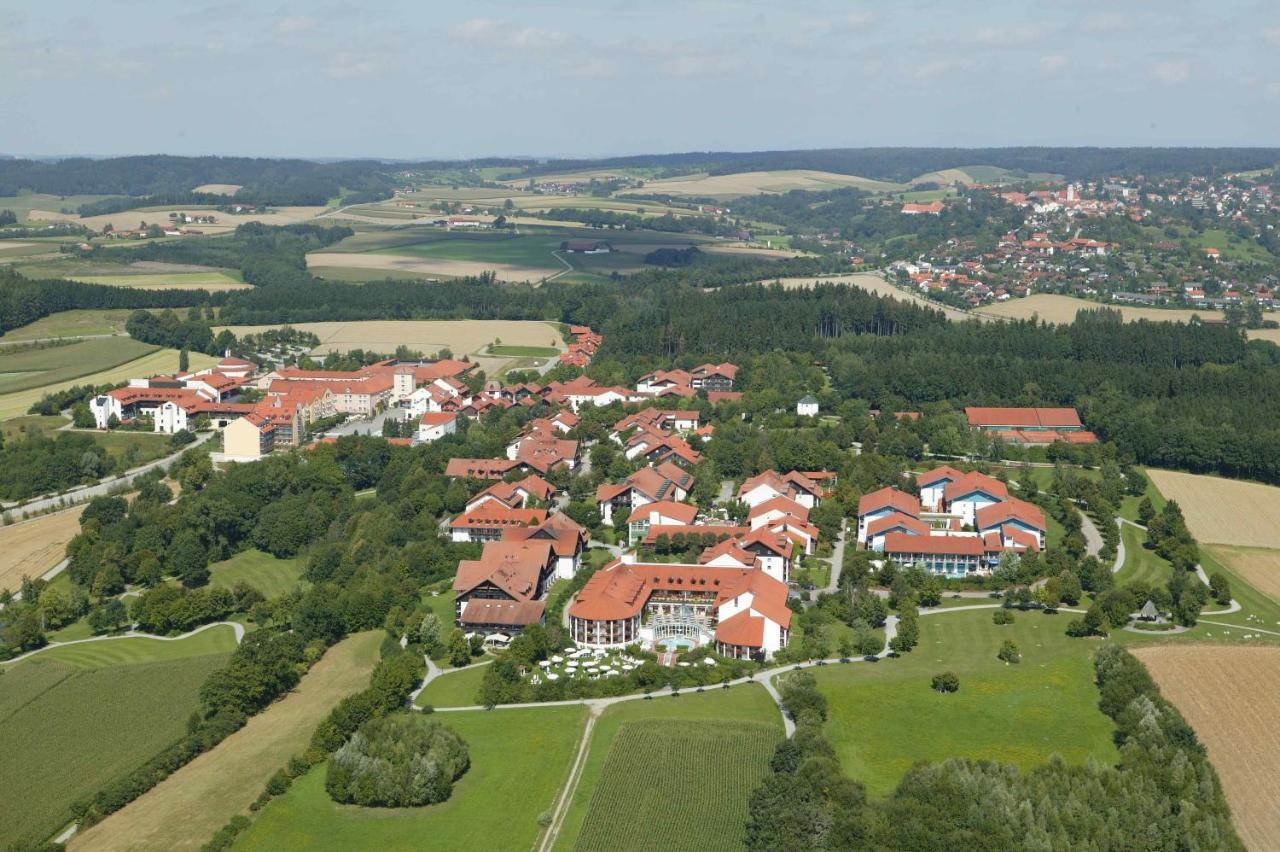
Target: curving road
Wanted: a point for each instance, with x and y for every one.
(236, 628)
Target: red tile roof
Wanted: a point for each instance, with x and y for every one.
(889, 498)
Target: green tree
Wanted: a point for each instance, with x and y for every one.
(1009, 652)
(945, 682)
(459, 649)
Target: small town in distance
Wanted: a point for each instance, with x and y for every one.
(544, 429)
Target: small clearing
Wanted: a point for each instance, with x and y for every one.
(1224, 511)
(876, 284)
(185, 809)
(1231, 697)
(218, 188)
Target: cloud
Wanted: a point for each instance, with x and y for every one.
(347, 65)
(1052, 62)
(1105, 22)
(491, 31)
(296, 24)
(1272, 35)
(1171, 71)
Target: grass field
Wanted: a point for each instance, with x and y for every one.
(884, 717)
(130, 219)
(16, 427)
(524, 351)
(519, 760)
(139, 447)
(1224, 511)
(76, 323)
(184, 810)
(72, 719)
(264, 572)
(1139, 563)
(211, 281)
(158, 361)
(1231, 696)
(32, 368)
(453, 688)
(677, 785)
(746, 704)
(23, 204)
(30, 548)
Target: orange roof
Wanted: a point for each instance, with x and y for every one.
(501, 612)
(938, 473)
(1022, 418)
(439, 418)
(957, 545)
(974, 481)
(780, 504)
(889, 498)
(1011, 509)
(479, 468)
(512, 566)
(897, 520)
(491, 514)
(743, 629)
(680, 512)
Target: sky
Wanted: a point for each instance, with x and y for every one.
(416, 80)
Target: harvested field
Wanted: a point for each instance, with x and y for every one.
(129, 219)
(1224, 511)
(212, 281)
(159, 361)
(218, 188)
(420, 266)
(1258, 567)
(30, 548)
(185, 809)
(462, 337)
(1231, 696)
(755, 183)
(1062, 309)
(875, 283)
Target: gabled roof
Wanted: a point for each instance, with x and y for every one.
(1008, 510)
(970, 483)
(514, 567)
(1024, 418)
(941, 545)
(938, 474)
(889, 498)
(504, 612)
(493, 514)
(899, 522)
(479, 468)
(681, 513)
(780, 504)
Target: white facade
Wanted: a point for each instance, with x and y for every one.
(966, 506)
(807, 407)
(428, 432)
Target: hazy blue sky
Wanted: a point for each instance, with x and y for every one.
(426, 79)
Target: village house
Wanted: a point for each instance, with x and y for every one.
(666, 481)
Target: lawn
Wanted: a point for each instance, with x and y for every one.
(884, 717)
(185, 809)
(456, 688)
(519, 760)
(1139, 563)
(133, 448)
(32, 368)
(266, 573)
(158, 361)
(14, 427)
(524, 351)
(1129, 505)
(71, 324)
(664, 785)
(747, 703)
(72, 719)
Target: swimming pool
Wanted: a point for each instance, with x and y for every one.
(676, 643)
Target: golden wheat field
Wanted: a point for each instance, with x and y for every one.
(875, 284)
(444, 267)
(1231, 696)
(218, 188)
(30, 548)
(1259, 567)
(1051, 307)
(1224, 511)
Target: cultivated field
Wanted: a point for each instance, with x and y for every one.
(1258, 567)
(31, 368)
(461, 337)
(677, 785)
(1224, 511)
(211, 281)
(218, 188)
(77, 323)
(130, 219)
(30, 548)
(874, 283)
(72, 719)
(185, 809)
(1231, 696)
(22, 205)
(408, 265)
(747, 705)
(884, 718)
(262, 571)
(159, 361)
(756, 183)
(519, 761)
(1050, 307)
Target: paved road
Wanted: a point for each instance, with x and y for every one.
(88, 492)
(1092, 537)
(726, 492)
(836, 560)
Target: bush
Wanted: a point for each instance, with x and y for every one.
(946, 682)
(1009, 652)
(397, 761)
(1002, 616)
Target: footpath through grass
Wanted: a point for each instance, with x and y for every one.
(884, 717)
(72, 719)
(1141, 564)
(519, 760)
(185, 809)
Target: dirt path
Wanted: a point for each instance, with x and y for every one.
(236, 628)
(188, 807)
(561, 808)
